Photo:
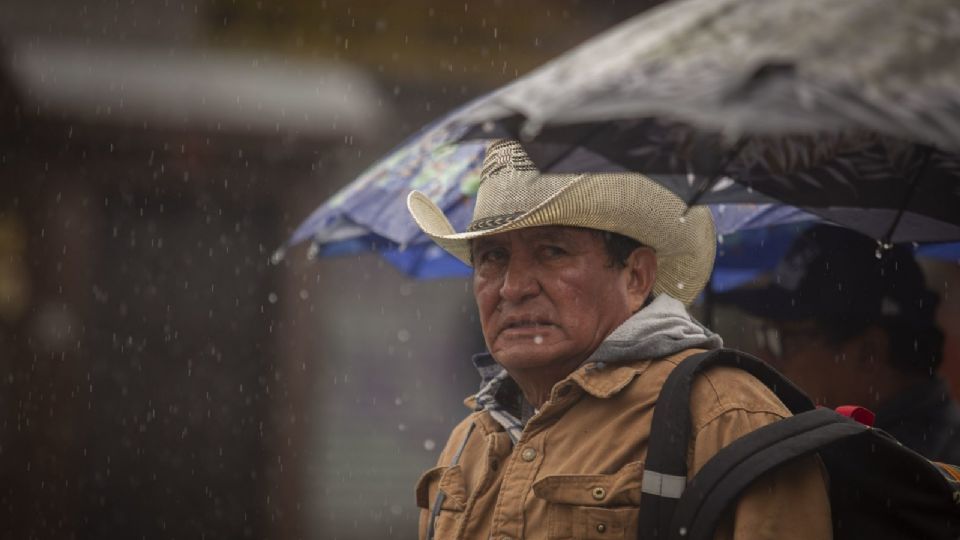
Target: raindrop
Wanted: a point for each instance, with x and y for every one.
(680, 285)
(538, 340)
(402, 427)
(304, 294)
(403, 335)
(429, 445)
(272, 298)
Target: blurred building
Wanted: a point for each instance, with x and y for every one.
(143, 194)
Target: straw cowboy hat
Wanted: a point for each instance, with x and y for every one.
(513, 194)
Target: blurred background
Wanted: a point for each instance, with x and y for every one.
(159, 376)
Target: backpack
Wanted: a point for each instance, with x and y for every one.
(878, 487)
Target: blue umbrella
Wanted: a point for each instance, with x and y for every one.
(374, 205)
(370, 213)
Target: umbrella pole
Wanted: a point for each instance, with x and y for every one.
(570, 148)
(709, 303)
(704, 187)
(925, 152)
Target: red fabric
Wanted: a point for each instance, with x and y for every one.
(861, 414)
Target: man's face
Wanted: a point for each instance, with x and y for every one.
(832, 374)
(548, 296)
(799, 351)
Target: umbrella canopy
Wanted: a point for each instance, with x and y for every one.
(370, 213)
(848, 109)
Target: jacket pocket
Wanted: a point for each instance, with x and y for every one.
(592, 506)
(449, 481)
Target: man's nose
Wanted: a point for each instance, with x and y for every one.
(519, 281)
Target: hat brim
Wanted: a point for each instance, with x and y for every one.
(685, 241)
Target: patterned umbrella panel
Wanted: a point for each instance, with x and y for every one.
(375, 203)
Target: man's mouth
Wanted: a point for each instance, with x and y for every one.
(531, 324)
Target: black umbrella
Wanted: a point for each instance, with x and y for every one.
(850, 110)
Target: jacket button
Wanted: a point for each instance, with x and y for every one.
(601, 527)
(528, 454)
(599, 493)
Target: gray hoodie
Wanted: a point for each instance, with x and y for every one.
(662, 328)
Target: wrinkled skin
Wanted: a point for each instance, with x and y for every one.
(548, 296)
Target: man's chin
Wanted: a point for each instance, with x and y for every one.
(530, 356)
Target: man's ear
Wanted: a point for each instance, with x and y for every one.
(641, 271)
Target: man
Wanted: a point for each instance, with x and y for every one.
(580, 282)
(853, 324)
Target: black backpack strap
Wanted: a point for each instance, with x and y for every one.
(665, 469)
(722, 480)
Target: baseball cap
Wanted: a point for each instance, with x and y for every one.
(834, 273)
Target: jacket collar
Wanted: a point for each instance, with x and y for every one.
(599, 379)
(500, 398)
(603, 380)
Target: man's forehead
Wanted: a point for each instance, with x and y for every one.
(531, 234)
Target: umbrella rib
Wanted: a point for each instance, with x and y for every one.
(925, 153)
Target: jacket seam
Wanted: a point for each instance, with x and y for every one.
(722, 406)
(719, 411)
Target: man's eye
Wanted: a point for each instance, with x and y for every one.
(553, 251)
(491, 256)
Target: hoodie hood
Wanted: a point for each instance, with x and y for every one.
(661, 329)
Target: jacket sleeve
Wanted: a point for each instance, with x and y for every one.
(791, 502)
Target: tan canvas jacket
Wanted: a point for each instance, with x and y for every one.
(577, 469)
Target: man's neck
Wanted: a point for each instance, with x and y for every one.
(537, 383)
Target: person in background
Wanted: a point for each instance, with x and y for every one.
(581, 282)
(853, 324)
